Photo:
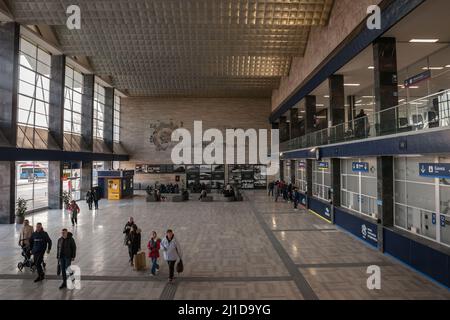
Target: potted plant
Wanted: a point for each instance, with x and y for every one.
(21, 210)
(66, 199)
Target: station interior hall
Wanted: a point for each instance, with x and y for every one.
(96, 98)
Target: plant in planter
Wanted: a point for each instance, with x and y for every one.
(66, 199)
(21, 209)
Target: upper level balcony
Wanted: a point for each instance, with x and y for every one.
(422, 114)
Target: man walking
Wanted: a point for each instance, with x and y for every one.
(66, 253)
(39, 243)
(95, 198)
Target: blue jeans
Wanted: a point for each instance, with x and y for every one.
(155, 265)
(64, 264)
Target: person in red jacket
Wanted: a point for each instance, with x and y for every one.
(153, 246)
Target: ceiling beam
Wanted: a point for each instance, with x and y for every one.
(48, 34)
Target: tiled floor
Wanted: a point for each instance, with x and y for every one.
(256, 249)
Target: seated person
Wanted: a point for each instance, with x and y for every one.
(203, 195)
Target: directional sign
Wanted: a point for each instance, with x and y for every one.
(323, 165)
(433, 219)
(302, 164)
(443, 221)
(360, 167)
(418, 78)
(435, 170)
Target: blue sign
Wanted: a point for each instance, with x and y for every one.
(418, 78)
(321, 208)
(363, 229)
(435, 170)
(360, 167)
(302, 164)
(443, 221)
(433, 219)
(324, 165)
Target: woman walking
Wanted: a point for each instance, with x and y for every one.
(154, 245)
(74, 210)
(134, 242)
(172, 252)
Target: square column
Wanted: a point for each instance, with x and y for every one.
(294, 124)
(335, 184)
(284, 130)
(55, 186)
(56, 105)
(385, 191)
(310, 113)
(386, 83)
(9, 80)
(7, 192)
(309, 177)
(337, 100)
(87, 111)
(86, 177)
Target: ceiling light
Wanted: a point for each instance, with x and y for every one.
(320, 105)
(414, 87)
(326, 96)
(368, 97)
(352, 84)
(424, 40)
(447, 66)
(371, 68)
(432, 68)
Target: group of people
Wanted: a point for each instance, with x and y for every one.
(92, 198)
(162, 188)
(37, 242)
(289, 192)
(169, 245)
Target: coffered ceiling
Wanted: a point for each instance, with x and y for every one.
(200, 48)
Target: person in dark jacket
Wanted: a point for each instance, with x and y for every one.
(95, 198)
(127, 229)
(296, 197)
(134, 242)
(66, 252)
(39, 243)
(89, 199)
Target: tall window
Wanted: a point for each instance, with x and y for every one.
(99, 111)
(359, 186)
(422, 203)
(72, 102)
(301, 182)
(32, 183)
(34, 85)
(321, 180)
(116, 118)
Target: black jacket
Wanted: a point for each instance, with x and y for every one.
(39, 242)
(134, 241)
(66, 247)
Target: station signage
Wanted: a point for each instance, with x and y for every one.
(323, 165)
(418, 78)
(360, 167)
(302, 165)
(435, 170)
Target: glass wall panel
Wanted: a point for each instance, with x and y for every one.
(32, 183)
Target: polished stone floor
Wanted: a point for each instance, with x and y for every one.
(256, 249)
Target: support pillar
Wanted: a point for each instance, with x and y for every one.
(295, 124)
(335, 185)
(337, 100)
(9, 80)
(309, 179)
(386, 84)
(86, 178)
(55, 186)
(310, 113)
(109, 119)
(7, 192)
(87, 112)
(385, 190)
(56, 105)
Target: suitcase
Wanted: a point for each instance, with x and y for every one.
(139, 261)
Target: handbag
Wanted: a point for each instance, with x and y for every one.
(58, 269)
(180, 266)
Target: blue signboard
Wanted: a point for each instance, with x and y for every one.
(302, 164)
(363, 229)
(418, 78)
(321, 208)
(434, 170)
(323, 165)
(433, 219)
(443, 221)
(360, 167)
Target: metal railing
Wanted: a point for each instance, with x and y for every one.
(421, 114)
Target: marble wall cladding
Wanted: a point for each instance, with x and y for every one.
(7, 190)
(345, 17)
(147, 123)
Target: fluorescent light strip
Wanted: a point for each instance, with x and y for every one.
(352, 84)
(424, 40)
